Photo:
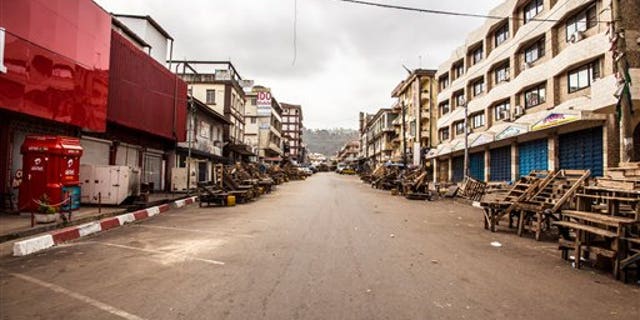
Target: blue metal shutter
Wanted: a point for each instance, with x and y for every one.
(582, 150)
(500, 164)
(476, 166)
(533, 155)
(458, 169)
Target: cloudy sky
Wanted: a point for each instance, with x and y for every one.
(349, 57)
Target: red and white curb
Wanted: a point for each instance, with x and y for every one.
(32, 245)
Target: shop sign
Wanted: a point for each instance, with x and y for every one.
(263, 103)
(509, 132)
(554, 119)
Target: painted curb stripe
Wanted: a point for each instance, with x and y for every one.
(153, 211)
(126, 218)
(139, 215)
(29, 246)
(89, 228)
(65, 235)
(32, 245)
(109, 223)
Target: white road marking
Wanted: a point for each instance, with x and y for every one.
(223, 233)
(220, 263)
(100, 305)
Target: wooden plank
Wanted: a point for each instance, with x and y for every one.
(591, 229)
(598, 218)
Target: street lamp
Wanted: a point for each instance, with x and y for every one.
(466, 137)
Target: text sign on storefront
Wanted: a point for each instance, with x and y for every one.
(263, 103)
(554, 119)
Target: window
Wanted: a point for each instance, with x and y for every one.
(459, 127)
(253, 120)
(477, 120)
(211, 97)
(444, 108)
(534, 51)
(444, 82)
(458, 70)
(478, 87)
(444, 134)
(532, 9)
(535, 96)
(502, 73)
(476, 55)
(583, 76)
(459, 99)
(502, 34)
(254, 101)
(581, 21)
(412, 128)
(501, 110)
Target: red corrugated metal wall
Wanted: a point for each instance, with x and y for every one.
(57, 59)
(142, 91)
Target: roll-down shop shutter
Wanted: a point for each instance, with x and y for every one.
(153, 172)
(128, 155)
(533, 155)
(458, 169)
(582, 150)
(95, 151)
(500, 164)
(476, 166)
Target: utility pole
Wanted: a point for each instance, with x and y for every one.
(190, 135)
(466, 138)
(621, 68)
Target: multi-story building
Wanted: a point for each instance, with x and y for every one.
(364, 121)
(220, 87)
(195, 158)
(292, 131)
(416, 100)
(263, 129)
(380, 133)
(349, 152)
(540, 91)
(157, 42)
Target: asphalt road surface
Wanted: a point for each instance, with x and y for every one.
(326, 248)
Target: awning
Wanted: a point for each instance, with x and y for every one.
(202, 154)
(242, 149)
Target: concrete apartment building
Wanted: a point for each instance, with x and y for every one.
(539, 94)
(263, 129)
(415, 124)
(220, 87)
(292, 130)
(349, 152)
(378, 134)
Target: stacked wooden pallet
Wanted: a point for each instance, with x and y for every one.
(472, 189)
(497, 208)
(554, 192)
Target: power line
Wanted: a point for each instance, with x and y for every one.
(449, 13)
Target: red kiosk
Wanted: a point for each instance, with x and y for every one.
(51, 166)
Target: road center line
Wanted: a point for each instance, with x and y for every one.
(220, 263)
(100, 305)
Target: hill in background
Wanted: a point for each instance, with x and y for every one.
(328, 141)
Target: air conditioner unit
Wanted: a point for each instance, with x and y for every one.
(518, 111)
(507, 75)
(526, 65)
(576, 36)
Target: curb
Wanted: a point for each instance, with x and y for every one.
(45, 241)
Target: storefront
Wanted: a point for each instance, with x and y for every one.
(533, 155)
(476, 165)
(500, 164)
(582, 150)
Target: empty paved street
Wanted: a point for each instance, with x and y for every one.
(329, 247)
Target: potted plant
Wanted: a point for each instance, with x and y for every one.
(46, 212)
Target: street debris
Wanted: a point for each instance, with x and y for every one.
(496, 244)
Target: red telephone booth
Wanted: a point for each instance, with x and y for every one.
(51, 166)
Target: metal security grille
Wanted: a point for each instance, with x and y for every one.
(476, 166)
(582, 150)
(458, 169)
(533, 155)
(500, 164)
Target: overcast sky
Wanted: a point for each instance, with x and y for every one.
(349, 57)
